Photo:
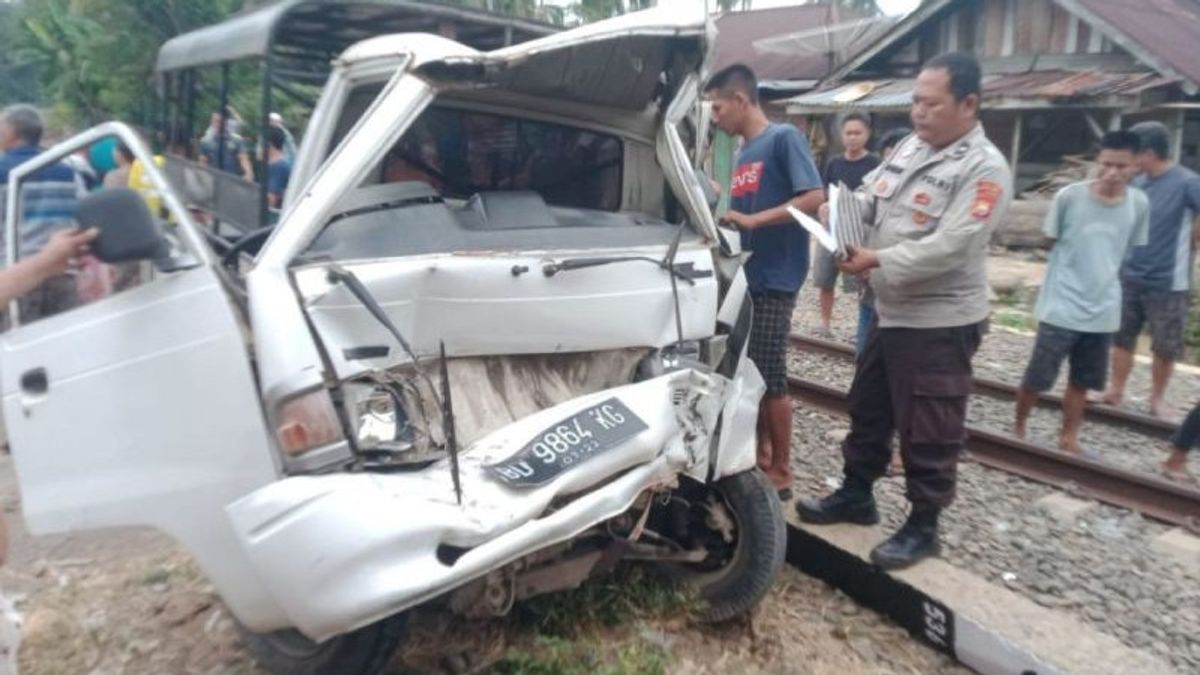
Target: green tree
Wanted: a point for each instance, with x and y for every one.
(95, 58)
(527, 9)
(864, 7)
(587, 11)
(18, 80)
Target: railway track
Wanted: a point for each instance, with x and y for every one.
(1127, 419)
(1149, 495)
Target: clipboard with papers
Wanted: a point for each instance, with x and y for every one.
(846, 227)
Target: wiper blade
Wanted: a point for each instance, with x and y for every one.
(339, 274)
(385, 206)
(684, 271)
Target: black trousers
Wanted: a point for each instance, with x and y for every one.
(1189, 432)
(913, 382)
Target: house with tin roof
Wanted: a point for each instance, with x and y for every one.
(1057, 73)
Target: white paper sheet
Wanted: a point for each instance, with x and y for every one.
(815, 228)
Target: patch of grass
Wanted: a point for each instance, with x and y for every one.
(1010, 297)
(158, 576)
(558, 656)
(1014, 320)
(629, 593)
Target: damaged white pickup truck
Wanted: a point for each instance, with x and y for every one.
(494, 346)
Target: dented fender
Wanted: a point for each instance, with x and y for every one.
(341, 551)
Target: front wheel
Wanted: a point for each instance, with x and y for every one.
(741, 524)
(365, 651)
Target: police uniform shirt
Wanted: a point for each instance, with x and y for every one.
(931, 214)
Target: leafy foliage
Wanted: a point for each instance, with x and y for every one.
(95, 58)
(18, 80)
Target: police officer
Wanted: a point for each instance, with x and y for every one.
(932, 207)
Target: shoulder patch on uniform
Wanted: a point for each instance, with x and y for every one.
(987, 193)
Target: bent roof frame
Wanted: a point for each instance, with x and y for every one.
(329, 26)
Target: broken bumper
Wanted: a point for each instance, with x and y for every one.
(338, 552)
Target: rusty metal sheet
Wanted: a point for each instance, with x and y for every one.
(1169, 30)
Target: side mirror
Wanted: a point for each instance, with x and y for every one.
(711, 193)
(128, 232)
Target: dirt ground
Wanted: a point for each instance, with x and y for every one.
(131, 602)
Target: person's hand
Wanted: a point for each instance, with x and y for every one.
(859, 261)
(64, 250)
(823, 214)
(741, 220)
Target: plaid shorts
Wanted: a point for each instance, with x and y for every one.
(769, 338)
(1164, 311)
(1086, 355)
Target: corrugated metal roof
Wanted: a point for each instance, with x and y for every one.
(1164, 34)
(886, 95)
(1060, 84)
(740, 34)
(1053, 85)
(1168, 30)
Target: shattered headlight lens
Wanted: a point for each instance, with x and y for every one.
(379, 419)
(383, 432)
(669, 359)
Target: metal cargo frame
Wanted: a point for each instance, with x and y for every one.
(295, 43)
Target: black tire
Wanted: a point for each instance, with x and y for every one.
(365, 651)
(740, 583)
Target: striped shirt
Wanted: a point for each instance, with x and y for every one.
(48, 200)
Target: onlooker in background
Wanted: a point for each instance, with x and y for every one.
(85, 173)
(234, 158)
(848, 169)
(1094, 224)
(866, 297)
(289, 141)
(279, 168)
(119, 176)
(1175, 465)
(102, 155)
(931, 210)
(1157, 278)
(48, 200)
(775, 169)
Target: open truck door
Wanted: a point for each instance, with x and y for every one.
(139, 407)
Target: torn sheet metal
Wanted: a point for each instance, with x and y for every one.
(384, 538)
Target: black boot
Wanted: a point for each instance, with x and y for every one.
(851, 503)
(916, 540)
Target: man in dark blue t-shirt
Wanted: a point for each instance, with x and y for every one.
(774, 169)
(1156, 279)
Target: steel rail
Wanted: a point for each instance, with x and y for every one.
(1149, 495)
(1127, 419)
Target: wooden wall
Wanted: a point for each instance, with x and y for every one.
(998, 28)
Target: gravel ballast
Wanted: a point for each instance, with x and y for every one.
(1099, 566)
